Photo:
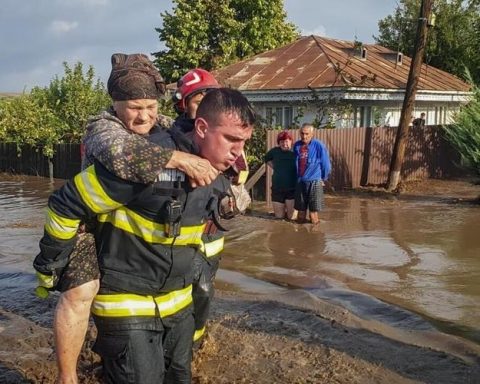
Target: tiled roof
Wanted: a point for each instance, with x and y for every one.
(317, 62)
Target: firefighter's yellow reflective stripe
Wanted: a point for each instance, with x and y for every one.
(60, 227)
(242, 177)
(212, 248)
(45, 280)
(92, 192)
(124, 305)
(150, 231)
(198, 334)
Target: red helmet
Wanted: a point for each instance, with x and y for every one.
(194, 81)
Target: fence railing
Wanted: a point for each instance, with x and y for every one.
(360, 156)
(30, 161)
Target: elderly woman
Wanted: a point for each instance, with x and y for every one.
(116, 138)
(282, 160)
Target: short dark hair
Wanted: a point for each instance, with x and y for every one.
(226, 100)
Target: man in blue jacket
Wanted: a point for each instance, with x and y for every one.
(313, 168)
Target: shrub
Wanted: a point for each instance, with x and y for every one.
(24, 122)
(464, 134)
(73, 99)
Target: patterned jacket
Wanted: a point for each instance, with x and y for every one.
(126, 154)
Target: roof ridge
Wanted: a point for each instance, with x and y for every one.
(337, 70)
(321, 62)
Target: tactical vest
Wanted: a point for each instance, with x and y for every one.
(136, 249)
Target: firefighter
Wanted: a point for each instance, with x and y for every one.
(131, 234)
(117, 138)
(191, 89)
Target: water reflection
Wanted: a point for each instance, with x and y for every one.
(383, 259)
(420, 256)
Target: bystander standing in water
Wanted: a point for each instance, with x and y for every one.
(282, 160)
(313, 168)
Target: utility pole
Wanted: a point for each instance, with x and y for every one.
(410, 92)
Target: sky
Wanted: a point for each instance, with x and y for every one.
(37, 36)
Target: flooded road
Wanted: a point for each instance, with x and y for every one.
(410, 264)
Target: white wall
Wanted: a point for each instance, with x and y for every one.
(367, 111)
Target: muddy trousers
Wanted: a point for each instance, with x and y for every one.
(203, 288)
(140, 356)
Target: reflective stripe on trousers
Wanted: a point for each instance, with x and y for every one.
(198, 334)
(127, 304)
(212, 248)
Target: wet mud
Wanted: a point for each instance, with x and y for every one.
(258, 339)
(384, 291)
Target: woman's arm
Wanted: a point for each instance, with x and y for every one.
(132, 157)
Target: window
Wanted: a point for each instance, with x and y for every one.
(269, 116)
(279, 116)
(287, 117)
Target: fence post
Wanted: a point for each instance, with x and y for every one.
(253, 180)
(50, 168)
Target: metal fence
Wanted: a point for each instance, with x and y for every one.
(360, 156)
(30, 160)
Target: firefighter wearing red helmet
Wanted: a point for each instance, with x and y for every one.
(190, 91)
(191, 88)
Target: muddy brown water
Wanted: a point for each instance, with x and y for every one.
(410, 264)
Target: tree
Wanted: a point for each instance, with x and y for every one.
(24, 122)
(464, 134)
(256, 147)
(264, 26)
(55, 114)
(453, 41)
(211, 34)
(73, 99)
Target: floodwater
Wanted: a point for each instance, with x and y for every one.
(409, 264)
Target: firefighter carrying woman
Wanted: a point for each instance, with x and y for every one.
(153, 204)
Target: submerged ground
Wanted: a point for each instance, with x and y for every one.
(274, 338)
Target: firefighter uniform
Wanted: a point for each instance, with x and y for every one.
(146, 239)
(208, 257)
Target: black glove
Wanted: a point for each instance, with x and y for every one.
(50, 263)
(222, 210)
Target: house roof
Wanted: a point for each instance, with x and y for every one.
(314, 62)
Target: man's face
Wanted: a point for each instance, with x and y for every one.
(285, 145)
(192, 105)
(138, 115)
(222, 143)
(306, 134)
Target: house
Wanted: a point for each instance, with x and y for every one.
(336, 83)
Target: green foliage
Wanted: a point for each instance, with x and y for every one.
(453, 42)
(24, 122)
(329, 109)
(55, 114)
(211, 34)
(167, 108)
(73, 99)
(464, 134)
(263, 24)
(256, 147)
